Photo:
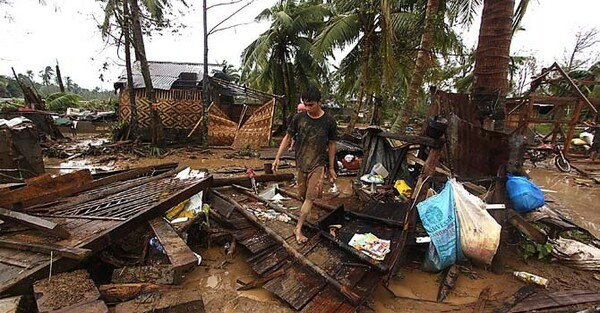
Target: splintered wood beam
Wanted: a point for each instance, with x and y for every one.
(379, 266)
(245, 181)
(34, 222)
(46, 248)
(298, 257)
(180, 255)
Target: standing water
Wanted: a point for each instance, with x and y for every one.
(578, 203)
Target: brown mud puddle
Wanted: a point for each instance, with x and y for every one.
(579, 203)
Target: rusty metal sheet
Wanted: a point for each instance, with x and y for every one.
(297, 287)
(447, 103)
(475, 151)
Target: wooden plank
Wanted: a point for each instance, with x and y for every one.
(515, 298)
(34, 222)
(484, 296)
(326, 301)
(46, 248)
(45, 190)
(297, 287)
(65, 291)
(11, 305)
(173, 301)
(547, 300)
(125, 292)
(156, 274)
(97, 306)
(180, 255)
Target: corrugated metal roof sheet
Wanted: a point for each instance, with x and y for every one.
(164, 74)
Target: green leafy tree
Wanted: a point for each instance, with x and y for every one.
(47, 75)
(280, 59)
(60, 101)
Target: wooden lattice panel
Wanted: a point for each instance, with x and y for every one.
(256, 132)
(177, 108)
(221, 130)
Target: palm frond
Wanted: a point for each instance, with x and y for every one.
(341, 31)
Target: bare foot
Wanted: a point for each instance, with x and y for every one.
(300, 238)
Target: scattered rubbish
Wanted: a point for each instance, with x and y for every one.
(370, 178)
(403, 188)
(153, 242)
(180, 220)
(188, 173)
(576, 254)
(370, 245)
(531, 278)
(269, 215)
(498, 206)
(423, 239)
(380, 170)
(252, 175)
(334, 228)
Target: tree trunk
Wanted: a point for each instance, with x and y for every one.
(364, 68)
(492, 58)
(138, 42)
(133, 121)
(286, 89)
(205, 79)
(59, 78)
(421, 66)
(377, 106)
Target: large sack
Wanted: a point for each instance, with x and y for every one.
(524, 194)
(479, 231)
(439, 220)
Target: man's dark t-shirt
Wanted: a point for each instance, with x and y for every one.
(313, 136)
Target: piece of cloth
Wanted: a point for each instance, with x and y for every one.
(313, 136)
(310, 184)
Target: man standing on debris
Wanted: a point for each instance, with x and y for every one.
(316, 136)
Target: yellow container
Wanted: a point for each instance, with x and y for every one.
(403, 188)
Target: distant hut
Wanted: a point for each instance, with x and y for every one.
(178, 89)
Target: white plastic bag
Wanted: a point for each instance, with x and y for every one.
(479, 231)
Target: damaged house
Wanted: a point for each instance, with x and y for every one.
(235, 112)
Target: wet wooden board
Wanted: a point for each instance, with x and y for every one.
(97, 306)
(11, 305)
(179, 253)
(61, 287)
(327, 300)
(89, 234)
(297, 287)
(547, 300)
(257, 243)
(34, 222)
(269, 262)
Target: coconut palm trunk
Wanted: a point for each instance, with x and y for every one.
(133, 121)
(422, 64)
(492, 58)
(138, 43)
(286, 89)
(364, 68)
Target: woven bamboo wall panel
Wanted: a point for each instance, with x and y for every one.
(256, 132)
(177, 108)
(221, 130)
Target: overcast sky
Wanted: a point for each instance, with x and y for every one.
(33, 36)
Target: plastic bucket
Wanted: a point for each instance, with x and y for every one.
(379, 169)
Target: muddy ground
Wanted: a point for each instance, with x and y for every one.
(412, 290)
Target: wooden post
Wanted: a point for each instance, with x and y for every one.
(34, 222)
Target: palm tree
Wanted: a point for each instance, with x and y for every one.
(280, 58)
(46, 75)
(355, 22)
(492, 58)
